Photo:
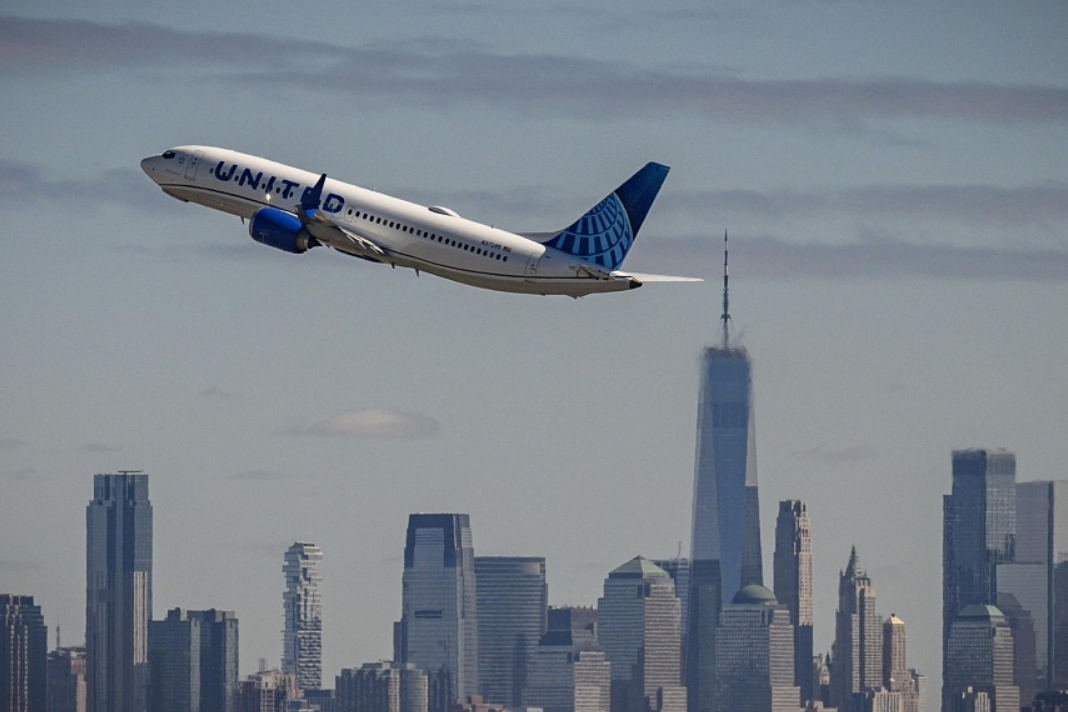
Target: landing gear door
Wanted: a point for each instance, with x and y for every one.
(191, 167)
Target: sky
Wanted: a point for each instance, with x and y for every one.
(893, 176)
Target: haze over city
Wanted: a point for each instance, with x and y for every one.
(893, 179)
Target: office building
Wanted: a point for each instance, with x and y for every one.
(725, 542)
(793, 585)
(439, 619)
(513, 601)
(755, 655)
(23, 654)
(193, 657)
(679, 571)
(382, 687)
(638, 627)
(268, 691)
(302, 639)
(978, 531)
(569, 674)
(898, 679)
(979, 658)
(118, 592)
(580, 621)
(858, 636)
(66, 680)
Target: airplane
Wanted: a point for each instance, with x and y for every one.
(295, 210)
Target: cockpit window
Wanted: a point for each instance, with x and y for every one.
(168, 154)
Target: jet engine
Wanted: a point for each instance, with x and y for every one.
(279, 229)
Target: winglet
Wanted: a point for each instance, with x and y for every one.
(312, 197)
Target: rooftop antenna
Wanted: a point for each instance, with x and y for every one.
(726, 313)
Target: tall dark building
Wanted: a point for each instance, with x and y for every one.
(725, 545)
(793, 585)
(193, 659)
(439, 621)
(979, 657)
(978, 532)
(23, 653)
(118, 592)
(66, 680)
(513, 600)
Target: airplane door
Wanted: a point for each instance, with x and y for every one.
(194, 162)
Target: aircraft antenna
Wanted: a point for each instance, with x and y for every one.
(726, 312)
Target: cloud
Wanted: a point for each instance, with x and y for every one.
(873, 256)
(99, 448)
(830, 456)
(373, 423)
(11, 443)
(438, 72)
(18, 475)
(216, 393)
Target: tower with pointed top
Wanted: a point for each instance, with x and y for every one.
(725, 550)
(857, 663)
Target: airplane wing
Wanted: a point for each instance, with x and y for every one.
(595, 272)
(334, 236)
(641, 277)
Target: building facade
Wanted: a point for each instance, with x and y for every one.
(857, 663)
(23, 654)
(638, 627)
(439, 619)
(979, 659)
(66, 680)
(302, 638)
(568, 674)
(755, 655)
(193, 659)
(513, 601)
(382, 687)
(978, 531)
(267, 691)
(793, 585)
(118, 592)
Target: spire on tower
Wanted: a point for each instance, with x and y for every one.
(726, 317)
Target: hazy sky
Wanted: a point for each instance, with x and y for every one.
(894, 178)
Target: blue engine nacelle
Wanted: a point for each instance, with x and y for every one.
(279, 229)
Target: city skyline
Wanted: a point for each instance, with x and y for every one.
(893, 180)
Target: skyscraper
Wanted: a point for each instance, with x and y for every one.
(755, 655)
(725, 544)
(568, 675)
(267, 691)
(382, 687)
(638, 626)
(979, 657)
(193, 658)
(978, 532)
(512, 600)
(302, 639)
(66, 680)
(857, 664)
(23, 654)
(793, 585)
(439, 619)
(118, 592)
(897, 678)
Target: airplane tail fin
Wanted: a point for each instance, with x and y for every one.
(605, 233)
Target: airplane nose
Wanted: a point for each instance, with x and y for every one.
(149, 164)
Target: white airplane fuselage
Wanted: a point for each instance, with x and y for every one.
(427, 239)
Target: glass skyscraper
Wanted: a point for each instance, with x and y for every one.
(978, 532)
(118, 592)
(439, 619)
(23, 654)
(193, 657)
(302, 639)
(513, 601)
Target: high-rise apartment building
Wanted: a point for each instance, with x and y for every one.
(793, 585)
(267, 691)
(23, 654)
(857, 663)
(979, 657)
(193, 657)
(439, 620)
(302, 639)
(755, 655)
(66, 680)
(512, 600)
(118, 592)
(382, 687)
(638, 627)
